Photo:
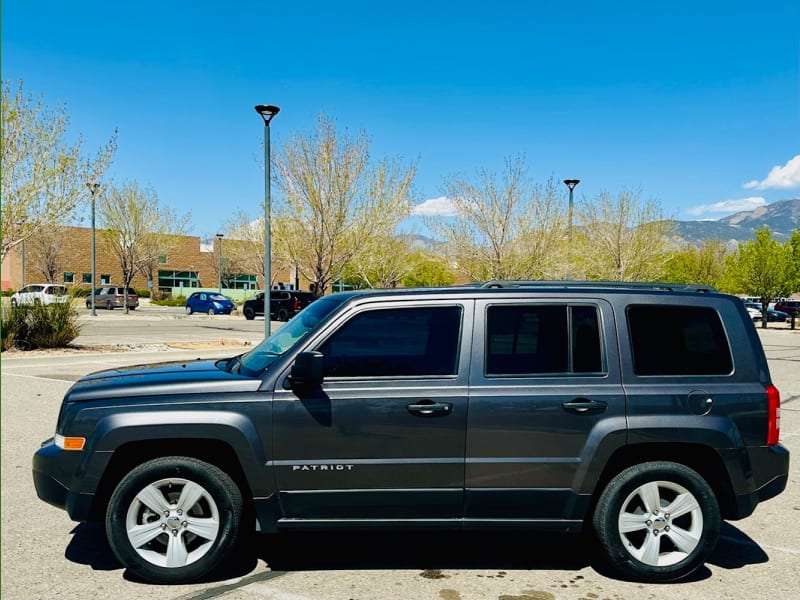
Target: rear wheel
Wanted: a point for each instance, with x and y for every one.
(110, 305)
(657, 521)
(174, 519)
(189, 310)
(283, 315)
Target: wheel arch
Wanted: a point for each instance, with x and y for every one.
(705, 460)
(213, 451)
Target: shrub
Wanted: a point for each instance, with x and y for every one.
(40, 326)
(176, 301)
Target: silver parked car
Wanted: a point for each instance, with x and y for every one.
(111, 297)
(39, 293)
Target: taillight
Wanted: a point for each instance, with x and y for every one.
(774, 415)
(296, 304)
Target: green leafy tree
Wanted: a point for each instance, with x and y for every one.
(137, 229)
(428, 270)
(762, 267)
(702, 264)
(44, 176)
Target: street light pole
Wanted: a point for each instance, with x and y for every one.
(570, 183)
(267, 112)
(219, 271)
(93, 187)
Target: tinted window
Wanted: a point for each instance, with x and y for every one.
(396, 342)
(678, 340)
(539, 339)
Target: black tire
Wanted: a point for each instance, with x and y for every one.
(189, 310)
(283, 315)
(211, 312)
(656, 545)
(249, 314)
(215, 510)
(110, 305)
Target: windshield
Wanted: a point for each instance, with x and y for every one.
(285, 338)
(217, 297)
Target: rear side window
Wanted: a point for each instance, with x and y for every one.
(678, 340)
(542, 339)
(396, 343)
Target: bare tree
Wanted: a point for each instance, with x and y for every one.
(506, 228)
(45, 251)
(334, 200)
(383, 262)
(44, 176)
(137, 229)
(622, 238)
(244, 247)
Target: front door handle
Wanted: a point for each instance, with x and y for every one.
(429, 408)
(584, 405)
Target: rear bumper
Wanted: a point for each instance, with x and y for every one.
(770, 466)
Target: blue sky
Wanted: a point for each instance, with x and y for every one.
(695, 103)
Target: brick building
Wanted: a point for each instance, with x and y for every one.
(192, 264)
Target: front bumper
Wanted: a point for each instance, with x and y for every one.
(53, 472)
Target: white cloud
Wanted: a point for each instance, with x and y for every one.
(785, 177)
(435, 207)
(728, 206)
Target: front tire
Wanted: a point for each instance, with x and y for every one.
(657, 521)
(249, 314)
(211, 311)
(174, 519)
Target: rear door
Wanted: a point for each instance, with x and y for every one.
(384, 437)
(545, 400)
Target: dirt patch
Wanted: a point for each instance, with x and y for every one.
(208, 345)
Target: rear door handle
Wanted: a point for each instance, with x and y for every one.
(429, 408)
(584, 405)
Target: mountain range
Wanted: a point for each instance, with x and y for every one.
(782, 218)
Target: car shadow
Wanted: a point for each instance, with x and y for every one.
(429, 552)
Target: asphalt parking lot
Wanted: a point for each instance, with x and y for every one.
(45, 555)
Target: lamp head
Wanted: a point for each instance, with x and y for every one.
(267, 111)
(571, 183)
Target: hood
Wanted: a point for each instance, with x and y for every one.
(161, 379)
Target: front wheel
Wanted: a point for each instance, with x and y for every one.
(249, 313)
(174, 519)
(657, 521)
(211, 311)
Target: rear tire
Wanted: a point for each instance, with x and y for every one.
(657, 521)
(189, 310)
(283, 316)
(174, 519)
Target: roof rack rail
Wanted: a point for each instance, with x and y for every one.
(569, 283)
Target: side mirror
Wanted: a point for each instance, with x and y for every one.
(307, 371)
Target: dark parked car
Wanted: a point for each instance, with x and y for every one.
(210, 303)
(112, 296)
(284, 304)
(790, 307)
(643, 413)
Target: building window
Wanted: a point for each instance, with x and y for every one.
(86, 278)
(105, 279)
(162, 259)
(239, 281)
(172, 279)
(69, 277)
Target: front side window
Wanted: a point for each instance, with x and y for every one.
(525, 340)
(397, 342)
(678, 340)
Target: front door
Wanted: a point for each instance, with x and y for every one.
(384, 436)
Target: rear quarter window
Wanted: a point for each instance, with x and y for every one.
(678, 340)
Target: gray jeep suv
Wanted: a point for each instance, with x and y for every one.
(643, 413)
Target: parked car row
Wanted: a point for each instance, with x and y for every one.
(773, 316)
